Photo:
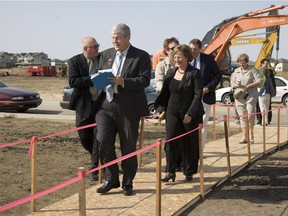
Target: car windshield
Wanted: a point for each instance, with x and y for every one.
(279, 82)
(2, 85)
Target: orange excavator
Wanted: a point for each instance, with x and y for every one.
(218, 40)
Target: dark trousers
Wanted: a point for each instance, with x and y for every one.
(88, 137)
(110, 121)
(188, 144)
(259, 116)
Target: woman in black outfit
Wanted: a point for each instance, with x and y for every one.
(181, 99)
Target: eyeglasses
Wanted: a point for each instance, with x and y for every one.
(171, 48)
(94, 46)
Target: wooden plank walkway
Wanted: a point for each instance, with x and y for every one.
(177, 196)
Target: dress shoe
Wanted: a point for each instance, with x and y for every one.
(252, 139)
(93, 176)
(169, 176)
(189, 178)
(127, 190)
(243, 141)
(107, 186)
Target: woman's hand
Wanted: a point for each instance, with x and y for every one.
(187, 119)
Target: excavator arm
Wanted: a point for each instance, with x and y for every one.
(221, 41)
(267, 44)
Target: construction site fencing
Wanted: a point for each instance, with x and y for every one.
(80, 178)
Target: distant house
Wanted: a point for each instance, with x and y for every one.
(41, 59)
(25, 59)
(58, 62)
(7, 60)
(282, 65)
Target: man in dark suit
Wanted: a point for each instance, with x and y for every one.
(122, 113)
(80, 68)
(211, 78)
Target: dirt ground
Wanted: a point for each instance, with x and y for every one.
(261, 189)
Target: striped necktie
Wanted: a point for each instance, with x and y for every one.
(116, 69)
(92, 89)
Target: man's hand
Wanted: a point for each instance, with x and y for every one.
(116, 80)
(187, 119)
(205, 89)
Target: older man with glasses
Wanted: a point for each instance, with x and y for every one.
(84, 94)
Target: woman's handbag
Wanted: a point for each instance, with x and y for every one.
(237, 92)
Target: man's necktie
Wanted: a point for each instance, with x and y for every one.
(116, 69)
(194, 63)
(92, 89)
(90, 64)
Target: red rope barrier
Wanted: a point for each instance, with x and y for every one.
(71, 181)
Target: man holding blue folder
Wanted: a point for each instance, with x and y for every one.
(123, 104)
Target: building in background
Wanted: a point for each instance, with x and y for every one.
(9, 60)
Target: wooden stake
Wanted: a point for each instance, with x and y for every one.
(141, 141)
(82, 191)
(226, 130)
(33, 172)
(158, 177)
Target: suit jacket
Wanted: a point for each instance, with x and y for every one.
(211, 77)
(191, 97)
(80, 80)
(136, 73)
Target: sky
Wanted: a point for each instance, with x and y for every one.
(57, 27)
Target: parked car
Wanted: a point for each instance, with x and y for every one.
(150, 91)
(223, 94)
(17, 99)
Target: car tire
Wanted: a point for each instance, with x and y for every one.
(285, 100)
(226, 98)
(152, 110)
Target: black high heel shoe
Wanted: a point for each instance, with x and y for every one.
(189, 178)
(169, 176)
